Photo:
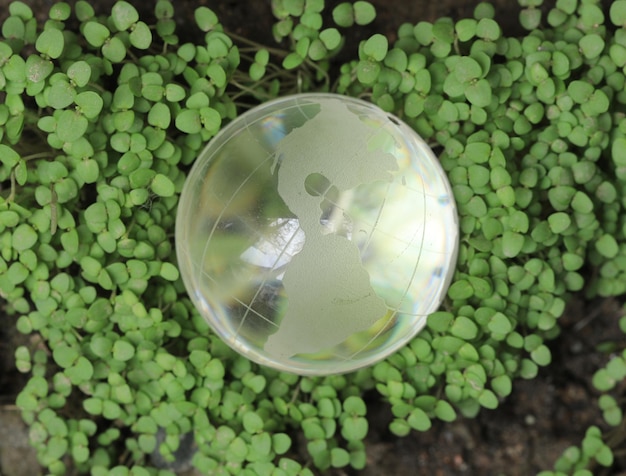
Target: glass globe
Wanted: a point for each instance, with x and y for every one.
(315, 233)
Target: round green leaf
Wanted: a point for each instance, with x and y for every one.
(8, 156)
(24, 237)
(541, 355)
(123, 350)
(591, 45)
(467, 69)
(141, 36)
(50, 43)
(376, 47)
(418, 420)
(252, 423)
(168, 271)
(61, 94)
(13, 28)
(559, 222)
(65, 356)
(479, 93)
(159, 116)
(114, 50)
(343, 14)
(607, 246)
(466, 28)
(38, 68)
(331, 38)
(488, 399)
(339, 458)
(124, 15)
(89, 104)
(464, 328)
(364, 12)
(205, 18)
(188, 121)
(79, 72)
(95, 33)
(210, 119)
(163, 186)
(460, 289)
(617, 12)
(71, 126)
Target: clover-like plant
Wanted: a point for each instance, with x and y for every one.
(101, 115)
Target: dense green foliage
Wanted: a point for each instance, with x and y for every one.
(100, 118)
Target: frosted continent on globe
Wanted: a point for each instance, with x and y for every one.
(317, 234)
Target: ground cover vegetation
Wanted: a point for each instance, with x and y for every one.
(101, 116)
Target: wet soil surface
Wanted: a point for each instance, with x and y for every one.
(529, 430)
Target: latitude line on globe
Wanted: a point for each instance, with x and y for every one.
(230, 200)
(239, 301)
(260, 287)
(406, 291)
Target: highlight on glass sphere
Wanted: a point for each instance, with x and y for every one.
(315, 233)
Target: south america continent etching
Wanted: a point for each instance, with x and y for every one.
(329, 295)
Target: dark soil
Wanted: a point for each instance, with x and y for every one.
(532, 427)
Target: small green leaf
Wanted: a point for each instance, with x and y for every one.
(364, 12)
(79, 72)
(331, 38)
(530, 18)
(123, 350)
(617, 12)
(461, 289)
(354, 428)
(541, 355)
(368, 72)
(13, 28)
(607, 246)
(71, 126)
(61, 94)
(159, 116)
(343, 14)
(141, 36)
(499, 324)
(488, 29)
(114, 50)
(488, 399)
(206, 19)
(163, 186)
(124, 15)
(8, 157)
(24, 237)
(467, 69)
(50, 43)
(89, 104)
(292, 61)
(559, 222)
(65, 356)
(479, 93)
(466, 28)
(38, 68)
(252, 423)
(419, 420)
(376, 47)
(464, 328)
(168, 271)
(591, 45)
(96, 33)
(188, 121)
(512, 243)
(210, 119)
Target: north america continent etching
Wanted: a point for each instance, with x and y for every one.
(329, 295)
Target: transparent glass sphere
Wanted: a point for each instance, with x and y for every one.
(315, 233)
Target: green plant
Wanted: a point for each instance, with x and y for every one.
(103, 114)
